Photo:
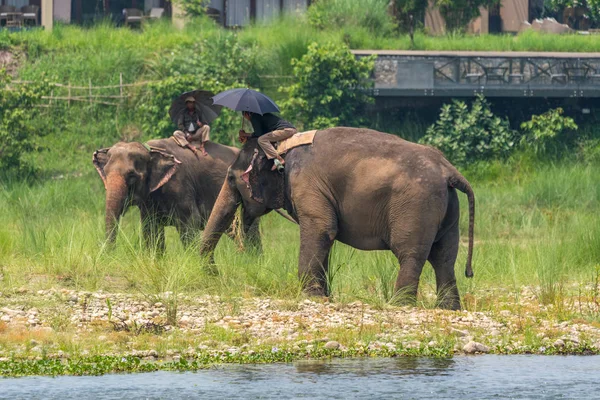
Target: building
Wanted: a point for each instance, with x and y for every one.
(82, 11)
(508, 16)
(240, 12)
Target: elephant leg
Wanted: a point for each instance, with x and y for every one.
(411, 239)
(188, 225)
(252, 240)
(153, 231)
(316, 239)
(407, 283)
(443, 257)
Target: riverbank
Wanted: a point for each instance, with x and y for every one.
(61, 331)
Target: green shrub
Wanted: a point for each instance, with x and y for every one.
(335, 14)
(466, 135)
(328, 87)
(589, 151)
(19, 128)
(404, 9)
(544, 130)
(458, 13)
(194, 8)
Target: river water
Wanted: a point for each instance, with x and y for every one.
(478, 377)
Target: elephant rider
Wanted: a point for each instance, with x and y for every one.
(190, 126)
(269, 128)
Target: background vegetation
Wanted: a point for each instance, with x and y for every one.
(537, 221)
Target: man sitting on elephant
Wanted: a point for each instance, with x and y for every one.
(191, 127)
(269, 128)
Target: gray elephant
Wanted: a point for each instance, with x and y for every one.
(171, 186)
(367, 189)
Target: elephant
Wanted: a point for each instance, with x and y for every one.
(367, 189)
(171, 186)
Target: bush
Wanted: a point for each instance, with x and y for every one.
(458, 13)
(470, 135)
(544, 130)
(404, 9)
(370, 14)
(194, 8)
(328, 87)
(18, 130)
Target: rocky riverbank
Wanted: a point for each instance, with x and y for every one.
(61, 324)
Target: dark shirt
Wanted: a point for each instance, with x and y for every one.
(185, 119)
(267, 123)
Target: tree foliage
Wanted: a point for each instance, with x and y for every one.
(459, 13)
(545, 129)
(325, 92)
(194, 8)
(467, 135)
(555, 7)
(18, 128)
(404, 9)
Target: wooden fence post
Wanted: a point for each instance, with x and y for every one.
(121, 89)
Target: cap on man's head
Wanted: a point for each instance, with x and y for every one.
(190, 99)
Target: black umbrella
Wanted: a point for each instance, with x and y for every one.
(246, 100)
(207, 111)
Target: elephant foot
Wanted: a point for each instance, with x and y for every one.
(403, 298)
(316, 291)
(449, 304)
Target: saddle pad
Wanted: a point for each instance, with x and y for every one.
(180, 139)
(299, 139)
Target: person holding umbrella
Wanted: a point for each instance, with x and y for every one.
(268, 128)
(191, 126)
(258, 109)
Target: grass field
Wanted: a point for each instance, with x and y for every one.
(536, 225)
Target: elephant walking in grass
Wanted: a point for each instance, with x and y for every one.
(170, 185)
(367, 189)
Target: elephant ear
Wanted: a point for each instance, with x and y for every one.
(266, 186)
(162, 168)
(100, 158)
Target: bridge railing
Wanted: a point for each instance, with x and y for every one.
(498, 74)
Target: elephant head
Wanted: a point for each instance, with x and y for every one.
(258, 191)
(130, 172)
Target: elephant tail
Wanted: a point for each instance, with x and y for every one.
(456, 180)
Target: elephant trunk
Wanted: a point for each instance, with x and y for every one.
(116, 194)
(220, 218)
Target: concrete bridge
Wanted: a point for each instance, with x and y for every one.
(494, 74)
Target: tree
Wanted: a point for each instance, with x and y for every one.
(408, 12)
(458, 13)
(329, 88)
(194, 8)
(17, 116)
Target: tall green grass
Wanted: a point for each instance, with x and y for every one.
(537, 223)
(540, 229)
